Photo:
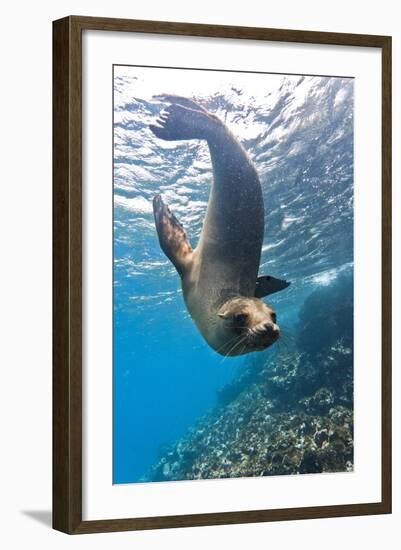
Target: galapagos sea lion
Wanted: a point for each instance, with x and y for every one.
(219, 278)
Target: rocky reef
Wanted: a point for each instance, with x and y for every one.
(291, 413)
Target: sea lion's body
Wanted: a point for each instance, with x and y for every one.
(220, 277)
(228, 254)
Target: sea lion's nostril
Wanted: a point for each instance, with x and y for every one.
(269, 328)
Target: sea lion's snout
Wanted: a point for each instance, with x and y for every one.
(272, 331)
(268, 335)
(264, 335)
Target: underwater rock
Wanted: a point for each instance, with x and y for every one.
(326, 317)
(309, 463)
(320, 402)
(283, 444)
(321, 437)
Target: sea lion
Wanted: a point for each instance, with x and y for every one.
(219, 278)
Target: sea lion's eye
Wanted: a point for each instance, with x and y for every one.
(240, 319)
(274, 318)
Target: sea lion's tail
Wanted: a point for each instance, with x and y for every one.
(183, 119)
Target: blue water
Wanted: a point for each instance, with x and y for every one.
(299, 133)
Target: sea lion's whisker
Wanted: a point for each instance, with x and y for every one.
(240, 340)
(288, 340)
(237, 340)
(283, 346)
(218, 350)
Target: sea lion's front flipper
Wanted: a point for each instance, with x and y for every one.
(268, 285)
(172, 237)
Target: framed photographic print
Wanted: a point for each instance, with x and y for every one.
(222, 274)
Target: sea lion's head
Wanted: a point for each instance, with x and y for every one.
(246, 325)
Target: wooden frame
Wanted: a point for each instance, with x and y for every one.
(67, 279)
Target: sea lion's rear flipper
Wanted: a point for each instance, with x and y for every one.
(183, 119)
(172, 237)
(179, 100)
(269, 285)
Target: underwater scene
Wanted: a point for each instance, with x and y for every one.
(264, 385)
